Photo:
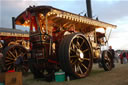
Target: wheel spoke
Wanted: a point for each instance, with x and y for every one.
(84, 66)
(9, 58)
(11, 54)
(73, 56)
(80, 69)
(9, 67)
(75, 69)
(82, 43)
(16, 53)
(73, 50)
(74, 62)
(86, 59)
(85, 50)
(107, 58)
(78, 45)
(71, 61)
(75, 46)
(9, 63)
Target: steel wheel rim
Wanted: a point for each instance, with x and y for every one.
(12, 55)
(79, 55)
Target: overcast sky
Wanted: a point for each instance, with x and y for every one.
(111, 11)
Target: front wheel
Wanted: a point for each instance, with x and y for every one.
(106, 60)
(75, 55)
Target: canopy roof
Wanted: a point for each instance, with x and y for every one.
(62, 17)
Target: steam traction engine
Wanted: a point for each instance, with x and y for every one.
(60, 39)
(13, 45)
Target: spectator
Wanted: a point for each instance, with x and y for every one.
(20, 60)
(113, 55)
(116, 57)
(2, 67)
(123, 57)
(127, 55)
(1, 56)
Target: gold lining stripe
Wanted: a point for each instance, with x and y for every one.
(13, 34)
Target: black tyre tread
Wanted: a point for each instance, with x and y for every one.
(64, 58)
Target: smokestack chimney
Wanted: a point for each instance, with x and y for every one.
(97, 18)
(13, 23)
(89, 9)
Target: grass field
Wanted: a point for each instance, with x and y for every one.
(97, 77)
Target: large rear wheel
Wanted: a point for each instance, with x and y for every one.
(75, 55)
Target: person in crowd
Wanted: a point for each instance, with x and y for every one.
(127, 56)
(113, 55)
(19, 59)
(116, 57)
(123, 57)
(1, 56)
(2, 67)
